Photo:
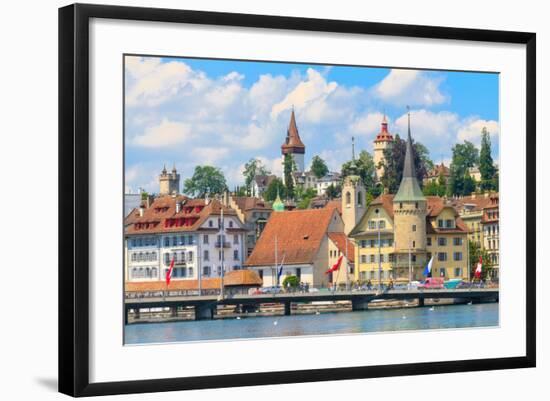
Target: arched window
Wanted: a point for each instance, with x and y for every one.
(148, 272)
(154, 272)
(140, 272)
(190, 272)
(359, 198)
(348, 198)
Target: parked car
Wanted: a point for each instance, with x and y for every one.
(432, 283)
(271, 290)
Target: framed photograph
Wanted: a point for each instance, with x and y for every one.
(251, 199)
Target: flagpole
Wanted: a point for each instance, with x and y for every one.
(222, 244)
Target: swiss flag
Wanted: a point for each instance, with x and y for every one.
(169, 272)
(477, 273)
(335, 266)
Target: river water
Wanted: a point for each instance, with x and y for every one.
(440, 317)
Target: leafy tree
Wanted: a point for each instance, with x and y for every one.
(144, 195)
(289, 166)
(475, 251)
(305, 198)
(364, 167)
(319, 167)
(465, 155)
(270, 193)
(205, 180)
(437, 187)
(395, 159)
(253, 168)
(240, 191)
(333, 191)
(291, 281)
(486, 165)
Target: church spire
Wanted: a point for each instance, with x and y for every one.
(409, 190)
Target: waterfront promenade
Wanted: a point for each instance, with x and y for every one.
(205, 305)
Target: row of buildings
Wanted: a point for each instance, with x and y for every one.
(390, 239)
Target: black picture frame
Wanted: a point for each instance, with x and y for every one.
(74, 198)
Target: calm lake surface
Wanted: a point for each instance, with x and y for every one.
(441, 317)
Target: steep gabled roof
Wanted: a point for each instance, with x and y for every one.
(293, 142)
(339, 239)
(299, 235)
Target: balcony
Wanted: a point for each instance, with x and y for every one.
(222, 244)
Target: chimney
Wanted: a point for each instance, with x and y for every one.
(178, 207)
(141, 211)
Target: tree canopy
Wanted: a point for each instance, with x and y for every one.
(253, 168)
(395, 159)
(289, 166)
(364, 167)
(270, 193)
(205, 180)
(318, 167)
(487, 167)
(465, 155)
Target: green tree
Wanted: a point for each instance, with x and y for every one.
(240, 191)
(205, 180)
(274, 187)
(305, 198)
(289, 167)
(364, 167)
(253, 168)
(318, 167)
(475, 251)
(395, 159)
(465, 155)
(487, 168)
(291, 282)
(333, 191)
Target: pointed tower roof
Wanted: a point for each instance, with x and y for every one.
(293, 143)
(164, 169)
(409, 190)
(384, 134)
(278, 205)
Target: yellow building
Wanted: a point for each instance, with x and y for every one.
(399, 234)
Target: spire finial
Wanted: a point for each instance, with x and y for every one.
(164, 169)
(353, 148)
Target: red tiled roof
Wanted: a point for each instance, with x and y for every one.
(231, 279)
(339, 240)
(384, 135)
(335, 204)
(293, 141)
(156, 218)
(299, 234)
(439, 169)
(246, 203)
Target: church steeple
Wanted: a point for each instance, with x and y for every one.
(409, 190)
(293, 144)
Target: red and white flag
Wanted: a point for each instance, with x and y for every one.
(169, 272)
(335, 266)
(477, 273)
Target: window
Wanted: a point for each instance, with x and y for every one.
(230, 223)
(261, 274)
(442, 256)
(190, 272)
(416, 205)
(457, 256)
(413, 258)
(174, 241)
(429, 241)
(442, 241)
(391, 257)
(372, 224)
(428, 255)
(190, 240)
(133, 242)
(206, 271)
(140, 242)
(363, 243)
(205, 239)
(372, 243)
(166, 241)
(235, 239)
(372, 258)
(458, 272)
(359, 198)
(210, 223)
(363, 258)
(190, 256)
(442, 271)
(457, 241)
(235, 254)
(414, 244)
(440, 223)
(166, 258)
(220, 255)
(206, 255)
(348, 198)
(414, 227)
(382, 224)
(449, 223)
(400, 205)
(182, 240)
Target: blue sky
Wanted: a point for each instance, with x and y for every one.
(197, 111)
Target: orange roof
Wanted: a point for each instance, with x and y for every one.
(477, 202)
(293, 142)
(192, 213)
(384, 135)
(438, 170)
(246, 203)
(299, 234)
(335, 204)
(232, 278)
(339, 240)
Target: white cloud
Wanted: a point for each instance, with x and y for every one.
(310, 92)
(167, 133)
(412, 87)
(471, 130)
(210, 155)
(368, 124)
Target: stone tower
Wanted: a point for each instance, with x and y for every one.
(383, 141)
(169, 182)
(353, 201)
(410, 208)
(293, 145)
